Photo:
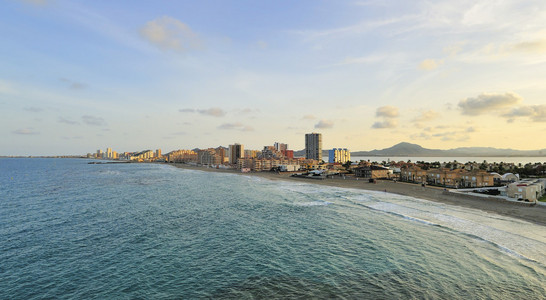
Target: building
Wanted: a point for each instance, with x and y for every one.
(158, 153)
(182, 156)
(142, 156)
(413, 174)
(313, 146)
(288, 153)
(477, 178)
(109, 153)
(339, 155)
(373, 172)
(251, 153)
(528, 189)
(280, 146)
(445, 177)
(236, 151)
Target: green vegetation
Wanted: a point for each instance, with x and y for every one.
(542, 199)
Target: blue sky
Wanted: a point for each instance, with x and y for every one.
(76, 76)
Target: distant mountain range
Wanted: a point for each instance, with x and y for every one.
(408, 149)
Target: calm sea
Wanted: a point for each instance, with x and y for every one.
(70, 230)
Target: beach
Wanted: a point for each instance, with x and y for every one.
(535, 214)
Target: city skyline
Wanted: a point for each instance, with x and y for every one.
(366, 74)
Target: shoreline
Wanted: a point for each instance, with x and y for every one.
(533, 214)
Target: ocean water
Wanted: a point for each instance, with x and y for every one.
(70, 230)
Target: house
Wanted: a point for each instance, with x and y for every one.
(445, 177)
(413, 174)
(372, 172)
(528, 189)
(477, 178)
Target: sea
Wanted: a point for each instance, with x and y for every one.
(73, 230)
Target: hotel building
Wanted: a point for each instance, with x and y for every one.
(339, 155)
(236, 152)
(313, 146)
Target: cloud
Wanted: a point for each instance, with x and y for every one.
(25, 131)
(248, 111)
(308, 117)
(170, 34)
(536, 46)
(36, 2)
(388, 123)
(537, 113)
(93, 121)
(483, 103)
(34, 109)
(79, 137)
(214, 112)
(426, 116)
(324, 124)
(261, 45)
(66, 121)
(180, 133)
(387, 112)
(235, 126)
(73, 84)
(430, 64)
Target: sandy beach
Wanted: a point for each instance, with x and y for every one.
(535, 214)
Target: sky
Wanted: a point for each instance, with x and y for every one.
(77, 76)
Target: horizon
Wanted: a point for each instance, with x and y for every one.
(76, 77)
(299, 150)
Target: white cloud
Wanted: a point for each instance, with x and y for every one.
(36, 2)
(34, 109)
(308, 117)
(485, 102)
(170, 34)
(67, 121)
(324, 124)
(73, 84)
(535, 46)
(235, 126)
(426, 116)
(214, 112)
(430, 64)
(388, 123)
(93, 121)
(536, 113)
(387, 111)
(26, 131)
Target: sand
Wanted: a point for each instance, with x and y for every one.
(535, 214)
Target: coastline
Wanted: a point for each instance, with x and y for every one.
(533, 214)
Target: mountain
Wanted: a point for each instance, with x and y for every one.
(408, 149)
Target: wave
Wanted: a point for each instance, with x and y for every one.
(464, 222)
(313, 203)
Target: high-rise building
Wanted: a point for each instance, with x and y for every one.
(236, 151)
(339, 155)
(313, 146)
(280, 146)
(109, 153)
(158, 153)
